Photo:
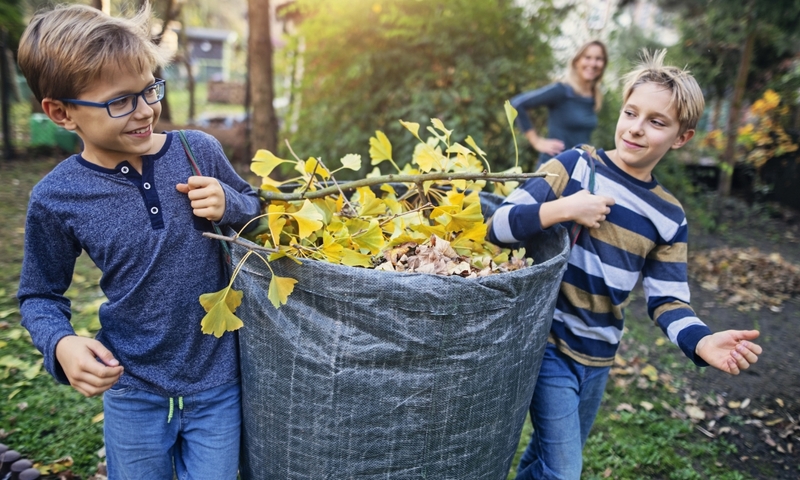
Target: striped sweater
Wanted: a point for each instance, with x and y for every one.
(645, 233)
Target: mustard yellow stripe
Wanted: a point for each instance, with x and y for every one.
(622, 238)
(559, 183)
(666, 196)
(675, 253)
(581, 358)
(588, 301)
(667, 307)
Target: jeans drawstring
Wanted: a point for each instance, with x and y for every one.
(171, 408)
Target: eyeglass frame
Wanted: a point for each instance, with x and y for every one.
(106, 105)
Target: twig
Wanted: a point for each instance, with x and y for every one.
(238, 241)
(392, 178)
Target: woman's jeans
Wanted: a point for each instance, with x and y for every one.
(563, 408)
(200, 440)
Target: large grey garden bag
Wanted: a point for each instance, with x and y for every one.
(368, 374)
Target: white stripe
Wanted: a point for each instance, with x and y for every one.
(676, 327)
(500, 225)
(614, 277)
(665, 288)
(520, 196)
(578, 327)
(667, 228)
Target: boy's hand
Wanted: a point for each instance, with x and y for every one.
(582, 207)
(207, 196)
(78, 357)
(730, 351)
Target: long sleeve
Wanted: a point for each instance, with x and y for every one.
(545, 96)
(667, 292)
(47, 267)
(517, 219)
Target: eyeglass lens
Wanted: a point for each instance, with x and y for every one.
(126, 104)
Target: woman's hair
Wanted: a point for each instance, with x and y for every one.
(572, 73)
(65, 49)
(687, 97)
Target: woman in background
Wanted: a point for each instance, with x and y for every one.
(572, 104)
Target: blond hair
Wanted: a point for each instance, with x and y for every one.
(64, 49)
(574, 79)
(687, 97)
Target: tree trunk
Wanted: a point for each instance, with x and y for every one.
(728, 158)
(171, 9)
(263, 121)
(5, 97)
(102, 5)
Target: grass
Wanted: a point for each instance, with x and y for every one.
(44, 421)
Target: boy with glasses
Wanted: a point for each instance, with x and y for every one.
(171, 395)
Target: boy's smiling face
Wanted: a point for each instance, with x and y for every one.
(108, 141)
(647, 129)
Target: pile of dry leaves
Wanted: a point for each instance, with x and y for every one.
(745, 277)
(438, 257)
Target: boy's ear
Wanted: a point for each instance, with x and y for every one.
(58, 113)
(683, 138)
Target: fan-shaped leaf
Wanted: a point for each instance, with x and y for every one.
(265, 162)
(279, 290)
(380, 148)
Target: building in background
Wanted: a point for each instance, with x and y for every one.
(210, 52)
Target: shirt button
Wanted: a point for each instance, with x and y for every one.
(146, 186)
(154, 210)
(125, 170)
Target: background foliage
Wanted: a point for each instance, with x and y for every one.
(369, 64)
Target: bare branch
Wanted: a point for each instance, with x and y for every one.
(392, 178)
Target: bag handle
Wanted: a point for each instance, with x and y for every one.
(578, 228)
(190, 155)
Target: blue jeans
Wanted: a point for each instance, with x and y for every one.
(199, 442)
(563, 408)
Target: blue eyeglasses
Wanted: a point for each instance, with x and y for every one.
(126, 104)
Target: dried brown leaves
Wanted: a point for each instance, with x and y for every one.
(437, 257)
(746, 278)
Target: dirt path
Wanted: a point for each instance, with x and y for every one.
(758, 410)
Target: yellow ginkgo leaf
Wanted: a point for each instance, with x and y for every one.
(380, 148)
(471, 142)
(511, 113)
(440, 126)
(265, 162)
(220, 307)
(308, 219)
(466, 218)
(352, 161)
(276, 222)
(313, 167)
(232, 298)
(370, 239)
(412, 127)
(279, 290)
(370, 205)
(427, 157)
(352, 258)
(330, 250)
